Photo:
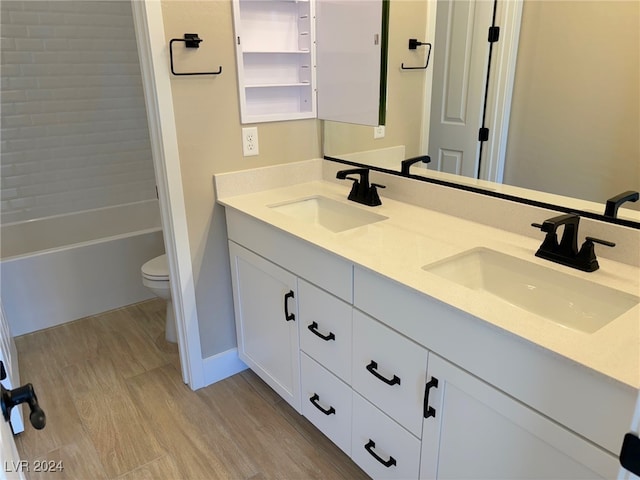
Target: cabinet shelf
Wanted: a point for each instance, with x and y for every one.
(275, 85)
(268, 52)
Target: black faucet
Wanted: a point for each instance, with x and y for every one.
(611, 209)
(566, 252)
(406, 164)
(361, 191)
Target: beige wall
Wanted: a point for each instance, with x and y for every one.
(576, 103)
(404, 93)
(207, 116)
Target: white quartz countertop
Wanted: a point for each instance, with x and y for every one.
(412, 237)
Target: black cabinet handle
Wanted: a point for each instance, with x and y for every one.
(314, 401)
(314, 329)
(369, 448)
(429, 411)
(630, 453)
(372, 369)
(288, 316)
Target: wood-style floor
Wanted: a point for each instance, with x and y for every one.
(117, 408)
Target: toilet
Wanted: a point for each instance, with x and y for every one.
(155, 276)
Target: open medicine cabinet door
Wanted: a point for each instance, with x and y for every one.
(351, 57)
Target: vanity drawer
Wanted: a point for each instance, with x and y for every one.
(326, 402)
(381, 447)
(325, 329)
(389, 370)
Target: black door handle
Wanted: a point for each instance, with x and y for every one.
(288, 316)
(314, 401)
(23, 394)
(369, 448)
(372, 369)
(314, 329)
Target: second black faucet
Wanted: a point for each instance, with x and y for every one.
(566, 251)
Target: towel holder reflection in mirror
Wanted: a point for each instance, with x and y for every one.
(413, 44)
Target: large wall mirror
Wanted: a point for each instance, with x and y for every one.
(560, 96)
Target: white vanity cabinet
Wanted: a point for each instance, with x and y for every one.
(264, 297)
(408, 386)
(473, 430)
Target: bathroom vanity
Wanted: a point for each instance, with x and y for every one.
(343, 310)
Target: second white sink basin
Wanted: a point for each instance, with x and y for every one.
(328, 213)
(567, 300)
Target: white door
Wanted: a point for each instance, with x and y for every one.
(9, 357)
(475, 431)
(460, 60)
(10, 466)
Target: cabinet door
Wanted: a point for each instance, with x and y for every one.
(476, 431)
(264, 297)
(351, 61)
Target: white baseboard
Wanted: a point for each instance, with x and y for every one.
(220, 366)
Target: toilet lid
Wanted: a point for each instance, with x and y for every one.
(156, 267)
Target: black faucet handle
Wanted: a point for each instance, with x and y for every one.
(377, 185)
(586, 259)
(537, 225)
(606, 243)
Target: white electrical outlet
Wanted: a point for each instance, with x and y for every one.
(378, 132)
(250, 141)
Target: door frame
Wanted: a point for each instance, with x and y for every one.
(154, 65)
(500, 86)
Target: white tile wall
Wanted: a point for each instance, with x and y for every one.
(73, 123)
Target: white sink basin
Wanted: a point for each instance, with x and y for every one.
(325, 212)
(567, 300)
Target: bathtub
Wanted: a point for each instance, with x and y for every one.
(61, 268)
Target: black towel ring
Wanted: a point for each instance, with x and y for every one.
(191, 40)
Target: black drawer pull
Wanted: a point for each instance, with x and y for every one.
(372, 369)
(429, 411)
(314, 329)
(288, 316)
(314, 400)
(369, 448)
